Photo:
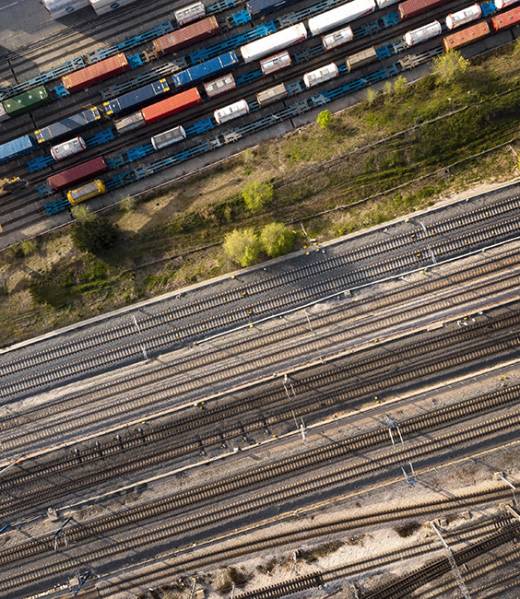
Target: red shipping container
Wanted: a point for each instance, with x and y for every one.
(412, 8)
(186, 36)
(506, 19)
(95, 72)
(466, 36)
(77, 173)
(164, 108)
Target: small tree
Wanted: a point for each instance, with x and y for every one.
(257, 195)
(371, 96)
(277, 239)
(387, 88)
(95, 235)
(449, 66)
(81, 213)
(400, 86)
(242, 246)
(324, 119)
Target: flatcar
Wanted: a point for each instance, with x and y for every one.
(337, 38)
(68, 148)
(340, 15)
(191, 12)
(86, 192)
(220, 86)
(96, 72)
(102, 7)
(68, 125)
(206, 69)
(130, 122)
(466, 36)
(272, 94)
(77, 173)
(361, 58)
(27, 101)
(413, 8)
(464, 16)
(422, 34)
(506, 19)
(173, 105)
(257, 8)
(275, 63)
(16, 147)
(167, 138)
(273, 43)
(62, 8)
(230, 112)
(136, 97)
(318, 76)
(186, 35)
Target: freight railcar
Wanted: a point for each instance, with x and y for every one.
(15, 147)
(340, 15)
(501, 4)
(186, 35)
(68, 125)
(464, 16)
(275, 63)
(191, 12)
(413, 8)
(201, 71)
(320, 75)
(257, 8)
(95, 72)
(230, 112)
(168, 138)
(422, 34)
(136, 97)
(220, 86)
(360, 59)
(68, 148)
(273, 43)
(466, 36)
(173, 105)
(101, 7)
(61, 8)
(130, 122)
(506, 19)
(86, 192)
(337, 38)
(27, 101)
(272, 94)
(77, 173)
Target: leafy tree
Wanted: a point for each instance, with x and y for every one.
(371, 96)
(387, 89)
(449, 66)
(242, 246)
(81, 213)
(277, 239)
(324, 119)
(257, 195)
(95, 235)
(400, 86)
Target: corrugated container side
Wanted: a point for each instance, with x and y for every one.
(186, 36)
(412, 8)
(16, 146)
(466, 36)
(172, 105)
(506, 19)
(96, 72)
(361, 58)
(26, 101)
(77, 173)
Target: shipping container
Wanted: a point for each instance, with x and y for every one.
(62, 8)
(501, 4)
(130, 122)
(102, 7)
(136, 98)
(68, 125)
(26, 101)
(466, 36)
(337, 38)
(230, 112)
(95, 72)
(422, 34)
(173, 105)
(186, 35)
(412, 8)
(68, 148)
(220, 85)
(464, 16)
(263, 7)
(86, 192)
(506, 19)
(77, 173)
(318, 76)
(201, 71)
(190, 13)
(274, 42)
(272, 94)
(275, 63)
(16, 147)
(168, 138)
(340, 15)
(360, 59)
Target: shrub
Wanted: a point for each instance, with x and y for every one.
(257, 195)
(324, 119)
(387, 88)
(242, 246)
(128, 204)
(50, 288)
(371, 96)
(400, 86)
(95, 235)
(277, 239)
(81, 213)
(449, 66)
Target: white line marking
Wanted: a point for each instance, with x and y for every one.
(8, 5)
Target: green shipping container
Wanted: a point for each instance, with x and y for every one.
(26, 101)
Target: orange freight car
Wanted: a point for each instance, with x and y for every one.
(95, 72)
(466, 36)
(172, 105)
(506, 19)
(186, 35)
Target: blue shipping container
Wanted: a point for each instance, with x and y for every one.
(205, 69)
(136, 98)
(68, 125)
(262, 7)
(16, 147)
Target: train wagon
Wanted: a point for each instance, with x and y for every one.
(340, 15)
(466, 36)
(173, 105)
(273, 43)
(320, 75)
(77, 173)
(68, 148)
(95, 72)
(220, 86)
(272, 94)
(257, 8)
(230, 112)
(15, 147)
(68, 125)
(501, 4)
(464, 16)
(136, 97)
(506, 19)
(275, 63)
(27, 101)
(211, 67)
(130, 122)
(61, 8)
(422, 34)
(167, 138)
(186, 35)
(337, 38)
(101, 7)
(191, 12)
(412, 8)
(360, 59)
(86, 192)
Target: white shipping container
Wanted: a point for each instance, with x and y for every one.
(328, 71)
(500, 4)
(190, 13)
(420, 35)
(274, 42)
(271, 64)
(102, 7)
(62, 8)
(130, 122)
(272, 94)
(220, 85)
(230, 112)
(167, 138)
(337, 38)
(340, 15)
(461, 17)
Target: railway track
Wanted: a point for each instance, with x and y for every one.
(33, 367)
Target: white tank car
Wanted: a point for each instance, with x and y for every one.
(274, 63)
(324, 73)
(340, 15)
(101, 7)
(337, 38)
(230, 112)
(426, 32)
(62, 8)
(385, 3)
(500, 4)
(461, 17)
(272, 43)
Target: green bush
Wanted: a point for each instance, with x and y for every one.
(449, 67)
(277, 239)
(242, 246)
(324, 119)
(400, 86)
(371, 96)
(95, 235)
(51, 288)
(257, 195)
(81, 213)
